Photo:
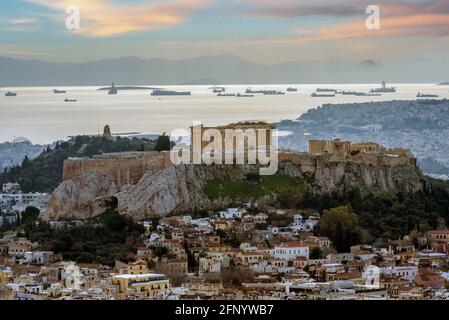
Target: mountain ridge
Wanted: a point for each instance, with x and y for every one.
(224, 68)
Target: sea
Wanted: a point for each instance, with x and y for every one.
(43, 117)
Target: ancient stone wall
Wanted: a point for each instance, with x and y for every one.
(128, 168)
(122, 168)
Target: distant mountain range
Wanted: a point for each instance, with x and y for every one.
(219, 69)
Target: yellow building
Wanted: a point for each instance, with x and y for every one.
(147, 285)
(6, 275)
(138, 267)
(219, 248)
(438, 235)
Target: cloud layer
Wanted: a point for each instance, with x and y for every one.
(102, 18)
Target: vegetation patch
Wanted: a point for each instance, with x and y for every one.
(250, 188)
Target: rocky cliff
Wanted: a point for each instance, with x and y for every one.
(180, 189)
(81, 197)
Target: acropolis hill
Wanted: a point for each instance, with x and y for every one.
(129, 167)
(145, 184)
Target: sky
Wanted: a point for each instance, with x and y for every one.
(265, 31)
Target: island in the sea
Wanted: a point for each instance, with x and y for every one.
(124, 88)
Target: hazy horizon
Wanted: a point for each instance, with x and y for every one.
(411, 34)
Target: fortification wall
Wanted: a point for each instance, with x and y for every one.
(126, 168)
(123, 168)
(308, 162)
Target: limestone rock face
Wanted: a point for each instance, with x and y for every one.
(82, 197)
(174, 189)
(179, 189)
(339, 176)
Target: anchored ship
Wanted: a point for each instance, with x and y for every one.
(358, 94)
(420, 95)
(383, 89)
(265, 92)
(170, 93)
(244, 95)
(219, 89)
(326, 90)
(323, 95)
(113, 89)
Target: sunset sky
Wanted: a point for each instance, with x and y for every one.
(258, 30)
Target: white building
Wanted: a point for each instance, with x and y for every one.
(291, 250)
(11, 187)
(371, 275)
(407, 272)
(20, 201)
(301, 224)
(38, 257)
(232, 213)
(71, 275)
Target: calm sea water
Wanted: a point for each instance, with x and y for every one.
(43, 117)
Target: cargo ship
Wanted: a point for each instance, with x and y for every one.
(323, 95)
(272, 92)
(265, 92)
(326, 90)
(219, 89)
(244, 95)
(112, 89)
(358, 94)
(170, 93)
(420, 95)
(383, 89)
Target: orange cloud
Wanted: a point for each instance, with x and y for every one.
(101, 18)
(414, 25)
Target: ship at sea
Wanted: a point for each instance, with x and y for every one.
(420, 95)
(219, 89)
(383, 89)
(244, 95)
(346, 93)
(291, 89)
(323, 95)
(10, 94)
(170, 93)
(272, 92)
(358, 94)
(265, 92)
(326, 90)
(56, 91)
(113, 89)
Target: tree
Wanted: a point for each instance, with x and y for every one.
(341, 226)
(290, 197)
(163, 143)
(315, 253)
(31, 214)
